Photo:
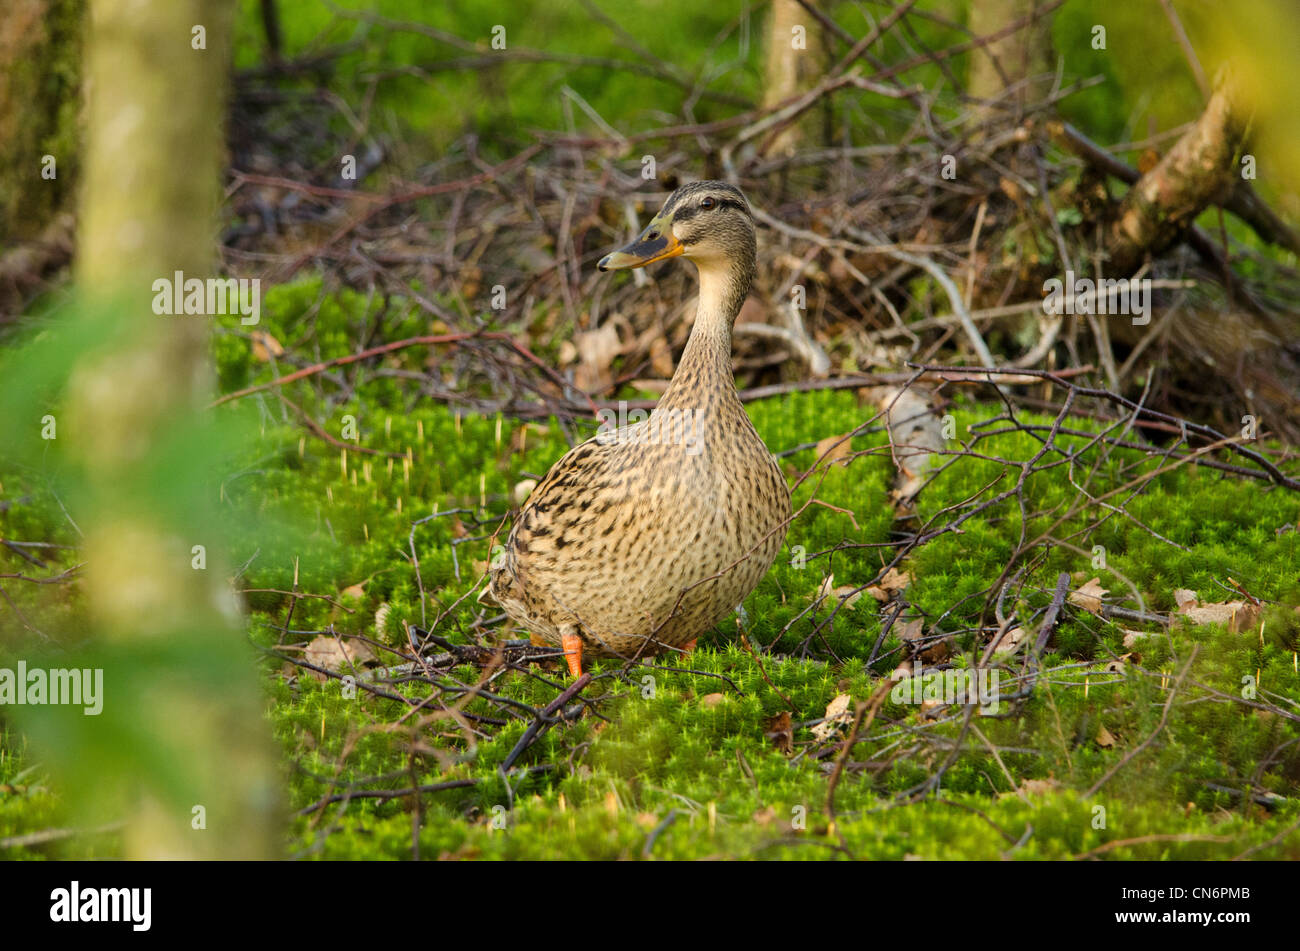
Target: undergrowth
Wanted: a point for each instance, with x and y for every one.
(692, 757)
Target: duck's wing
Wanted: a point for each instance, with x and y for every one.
(608, 521)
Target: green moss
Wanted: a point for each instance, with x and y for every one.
(693, 743)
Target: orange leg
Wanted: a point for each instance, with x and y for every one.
(572, 645)
(690, 645)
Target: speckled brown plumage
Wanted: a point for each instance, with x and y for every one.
(642, 538)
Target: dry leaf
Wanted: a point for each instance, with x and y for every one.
(848, 593)
(825, 589)
(265, 346)
(910, 630)
(1089, 596)
(650, 386)
(712, 699)
(596, 352)
(1011, 642)
(893, 582)
(1104, 739)
(938, 651)
(523, 489)
(779, 732)
(357, 591)
(836, 448)
(1134, 639)
(1037, 787)
(1238, 615)
(837, 713)
(337, 654)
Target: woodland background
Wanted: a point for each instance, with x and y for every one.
(423, 194)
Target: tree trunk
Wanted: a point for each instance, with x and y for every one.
(40, 52)
(198, 773)
(796, 60)
(1022, 60)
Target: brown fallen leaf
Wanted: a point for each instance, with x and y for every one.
(824, 589)
(895, 580)
(938, 651)
(1134, 639)
(777, 729)
(1237, 615)
(836, 449)
(596, 351)
(1037, 787)
(265, 346)
(338, 654)
(891, 584)
(848, 593)
(650, 386)
(1104, 738)
(712, 699)
(910, 630)
(1089, 596)
(837, 714)
(1011, 642)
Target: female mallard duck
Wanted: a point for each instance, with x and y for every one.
(644, 537)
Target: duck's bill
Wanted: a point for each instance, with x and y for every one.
(644, 250)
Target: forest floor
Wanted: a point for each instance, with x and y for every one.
(361, 541)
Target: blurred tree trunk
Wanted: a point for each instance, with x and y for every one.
(40, 78)
(200, 781)
(1013, 60)
(40, 50)
(797, 57)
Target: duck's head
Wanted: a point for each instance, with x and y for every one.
(707, 222)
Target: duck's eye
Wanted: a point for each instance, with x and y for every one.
(707, 203)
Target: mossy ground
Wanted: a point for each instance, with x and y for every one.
(667, 767)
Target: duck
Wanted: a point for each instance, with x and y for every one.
(648, 535)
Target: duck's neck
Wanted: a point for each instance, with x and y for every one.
(705, 366)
